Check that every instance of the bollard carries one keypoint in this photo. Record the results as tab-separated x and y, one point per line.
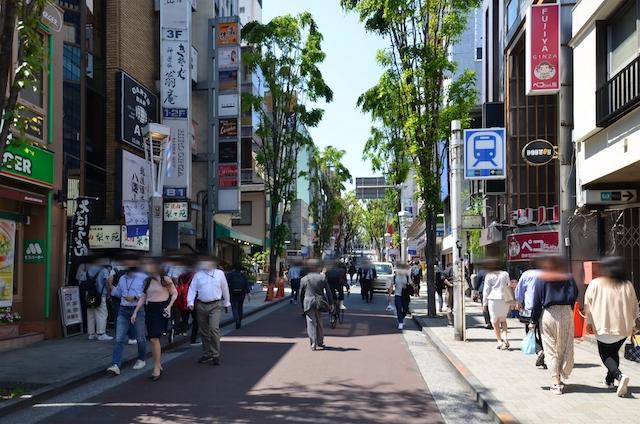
578	322
269	296
280	285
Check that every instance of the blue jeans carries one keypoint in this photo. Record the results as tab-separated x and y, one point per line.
123	325
402	308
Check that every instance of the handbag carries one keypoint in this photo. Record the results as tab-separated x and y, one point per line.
529	343
507	294
322	304
632	350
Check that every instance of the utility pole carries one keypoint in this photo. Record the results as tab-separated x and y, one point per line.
566	154
456	168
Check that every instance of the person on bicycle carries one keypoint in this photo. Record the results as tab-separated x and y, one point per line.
337	278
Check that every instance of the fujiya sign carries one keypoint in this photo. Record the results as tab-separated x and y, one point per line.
543	49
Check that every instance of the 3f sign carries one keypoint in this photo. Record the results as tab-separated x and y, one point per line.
175	34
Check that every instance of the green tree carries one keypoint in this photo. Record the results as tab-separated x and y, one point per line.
21	19
328	179
375	222
287	51
349	221
420	33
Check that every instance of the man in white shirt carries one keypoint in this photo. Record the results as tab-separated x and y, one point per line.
210	286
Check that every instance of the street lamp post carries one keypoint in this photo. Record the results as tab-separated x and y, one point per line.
156	150
456	169
402	215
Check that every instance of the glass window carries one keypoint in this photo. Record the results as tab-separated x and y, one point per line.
512	13
384	269
623	38
71	66
33	93
478	53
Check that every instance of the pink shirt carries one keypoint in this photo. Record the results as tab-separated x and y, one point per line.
156	292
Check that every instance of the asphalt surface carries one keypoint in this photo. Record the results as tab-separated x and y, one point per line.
269	375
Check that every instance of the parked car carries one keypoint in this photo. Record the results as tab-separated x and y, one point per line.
385	276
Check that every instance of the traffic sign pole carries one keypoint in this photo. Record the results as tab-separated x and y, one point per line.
456	168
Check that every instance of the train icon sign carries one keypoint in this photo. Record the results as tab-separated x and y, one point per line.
484	154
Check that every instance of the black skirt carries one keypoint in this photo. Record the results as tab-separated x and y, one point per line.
156	322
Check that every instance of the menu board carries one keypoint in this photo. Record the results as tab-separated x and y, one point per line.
70	308
7	255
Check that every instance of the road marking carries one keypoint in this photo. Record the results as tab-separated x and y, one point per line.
114	404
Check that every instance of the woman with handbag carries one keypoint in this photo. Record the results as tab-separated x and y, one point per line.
158	296
555	292
497	297
612	308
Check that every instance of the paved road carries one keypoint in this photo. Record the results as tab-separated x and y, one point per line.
269	374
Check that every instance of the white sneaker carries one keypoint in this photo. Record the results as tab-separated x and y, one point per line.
400	326
556	389
132	341
139	365
623	383
344	308
104	337
113	370
92	337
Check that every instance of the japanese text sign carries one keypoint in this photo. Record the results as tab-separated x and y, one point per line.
543	49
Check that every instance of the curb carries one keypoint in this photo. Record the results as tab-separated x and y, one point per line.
46	392
482	395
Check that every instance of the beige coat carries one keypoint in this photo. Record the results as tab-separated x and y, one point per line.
612	307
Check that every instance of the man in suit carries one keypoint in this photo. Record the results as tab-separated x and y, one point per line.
314	293
366	275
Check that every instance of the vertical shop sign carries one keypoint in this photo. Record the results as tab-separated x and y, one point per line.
543	49
134	177
175	99
80	229
225	60
7	254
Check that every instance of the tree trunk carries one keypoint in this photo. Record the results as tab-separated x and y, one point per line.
273	248
430	259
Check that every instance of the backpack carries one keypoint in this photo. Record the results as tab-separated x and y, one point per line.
415	271
237	283
184	281
92	296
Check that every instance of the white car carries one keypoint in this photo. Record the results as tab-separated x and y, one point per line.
384	279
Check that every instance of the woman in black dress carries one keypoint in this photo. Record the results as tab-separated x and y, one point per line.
158	297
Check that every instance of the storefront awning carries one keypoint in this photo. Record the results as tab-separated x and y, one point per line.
224	232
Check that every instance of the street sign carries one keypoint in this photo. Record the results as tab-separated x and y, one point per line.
485	154
610	197
471	222
538	152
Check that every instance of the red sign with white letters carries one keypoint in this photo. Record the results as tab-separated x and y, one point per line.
525	246
543	49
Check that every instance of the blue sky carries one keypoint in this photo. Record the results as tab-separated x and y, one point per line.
349	69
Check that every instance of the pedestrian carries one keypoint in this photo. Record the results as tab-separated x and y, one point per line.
210	286
187	316
555	293
416	277
118	269
366	274
612	309
239	288
294	281
337	279
401	290
129	289
440	286
524	298
94	281
352	272
448	284
158	295
316	298
496	298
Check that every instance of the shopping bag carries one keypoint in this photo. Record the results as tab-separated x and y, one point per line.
391	307
632	350
529	344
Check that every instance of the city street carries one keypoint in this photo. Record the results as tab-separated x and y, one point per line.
366	374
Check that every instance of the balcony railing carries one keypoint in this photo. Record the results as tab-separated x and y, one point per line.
618	95
250	176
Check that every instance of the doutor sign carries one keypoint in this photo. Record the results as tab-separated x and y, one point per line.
538	152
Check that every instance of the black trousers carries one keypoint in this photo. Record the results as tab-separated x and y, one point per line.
237	300
611	359
295	288
184	315
366	287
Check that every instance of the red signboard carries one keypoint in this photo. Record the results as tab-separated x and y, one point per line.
525	246
227	176
543	49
